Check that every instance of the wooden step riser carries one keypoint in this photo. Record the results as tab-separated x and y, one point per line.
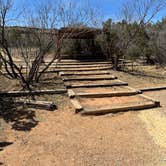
78	66
81	69
100	95
80	63
96	85
120	109
88	79
84	74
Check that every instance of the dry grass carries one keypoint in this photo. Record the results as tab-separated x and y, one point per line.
143	76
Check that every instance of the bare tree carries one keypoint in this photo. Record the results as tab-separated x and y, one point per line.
141	12
42	34
12	69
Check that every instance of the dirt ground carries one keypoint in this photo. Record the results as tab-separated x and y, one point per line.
143	76
62	138
48	81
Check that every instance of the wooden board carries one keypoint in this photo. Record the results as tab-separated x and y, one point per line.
80	66
115	109
97	106
98	83
28	93
83	73
103	91
90	77
80	69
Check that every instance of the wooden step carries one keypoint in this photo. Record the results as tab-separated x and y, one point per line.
80	69
83	63
99	83
116	109
104	105
83	73
90	77
80	66
103	92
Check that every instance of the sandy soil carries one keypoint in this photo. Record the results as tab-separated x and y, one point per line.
110	101
101	89
64	138
155	119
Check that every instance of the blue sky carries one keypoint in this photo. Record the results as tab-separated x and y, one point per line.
112	8
109	8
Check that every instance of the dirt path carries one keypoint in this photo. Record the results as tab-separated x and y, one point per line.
64	138
155	119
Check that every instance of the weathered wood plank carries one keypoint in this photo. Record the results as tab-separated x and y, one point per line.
106	110
91	77
119	83
153	88
28	93
80	69
82	73
108	94
71	93
76	105
37	104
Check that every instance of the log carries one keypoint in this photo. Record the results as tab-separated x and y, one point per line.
29	93
107	94
37	104
153	89
107	109
82	73
79	85
88	78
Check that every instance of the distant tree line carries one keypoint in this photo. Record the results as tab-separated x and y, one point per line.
149	43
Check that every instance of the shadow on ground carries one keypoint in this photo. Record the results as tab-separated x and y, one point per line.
20	118
4	144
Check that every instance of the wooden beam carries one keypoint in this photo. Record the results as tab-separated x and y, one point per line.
37	104
108	94
29	93
153	88
120	83
109	109
77	105
89	78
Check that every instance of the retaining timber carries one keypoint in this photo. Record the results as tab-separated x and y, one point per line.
51	106
29	93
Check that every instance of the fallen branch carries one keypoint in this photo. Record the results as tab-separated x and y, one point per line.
37	104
